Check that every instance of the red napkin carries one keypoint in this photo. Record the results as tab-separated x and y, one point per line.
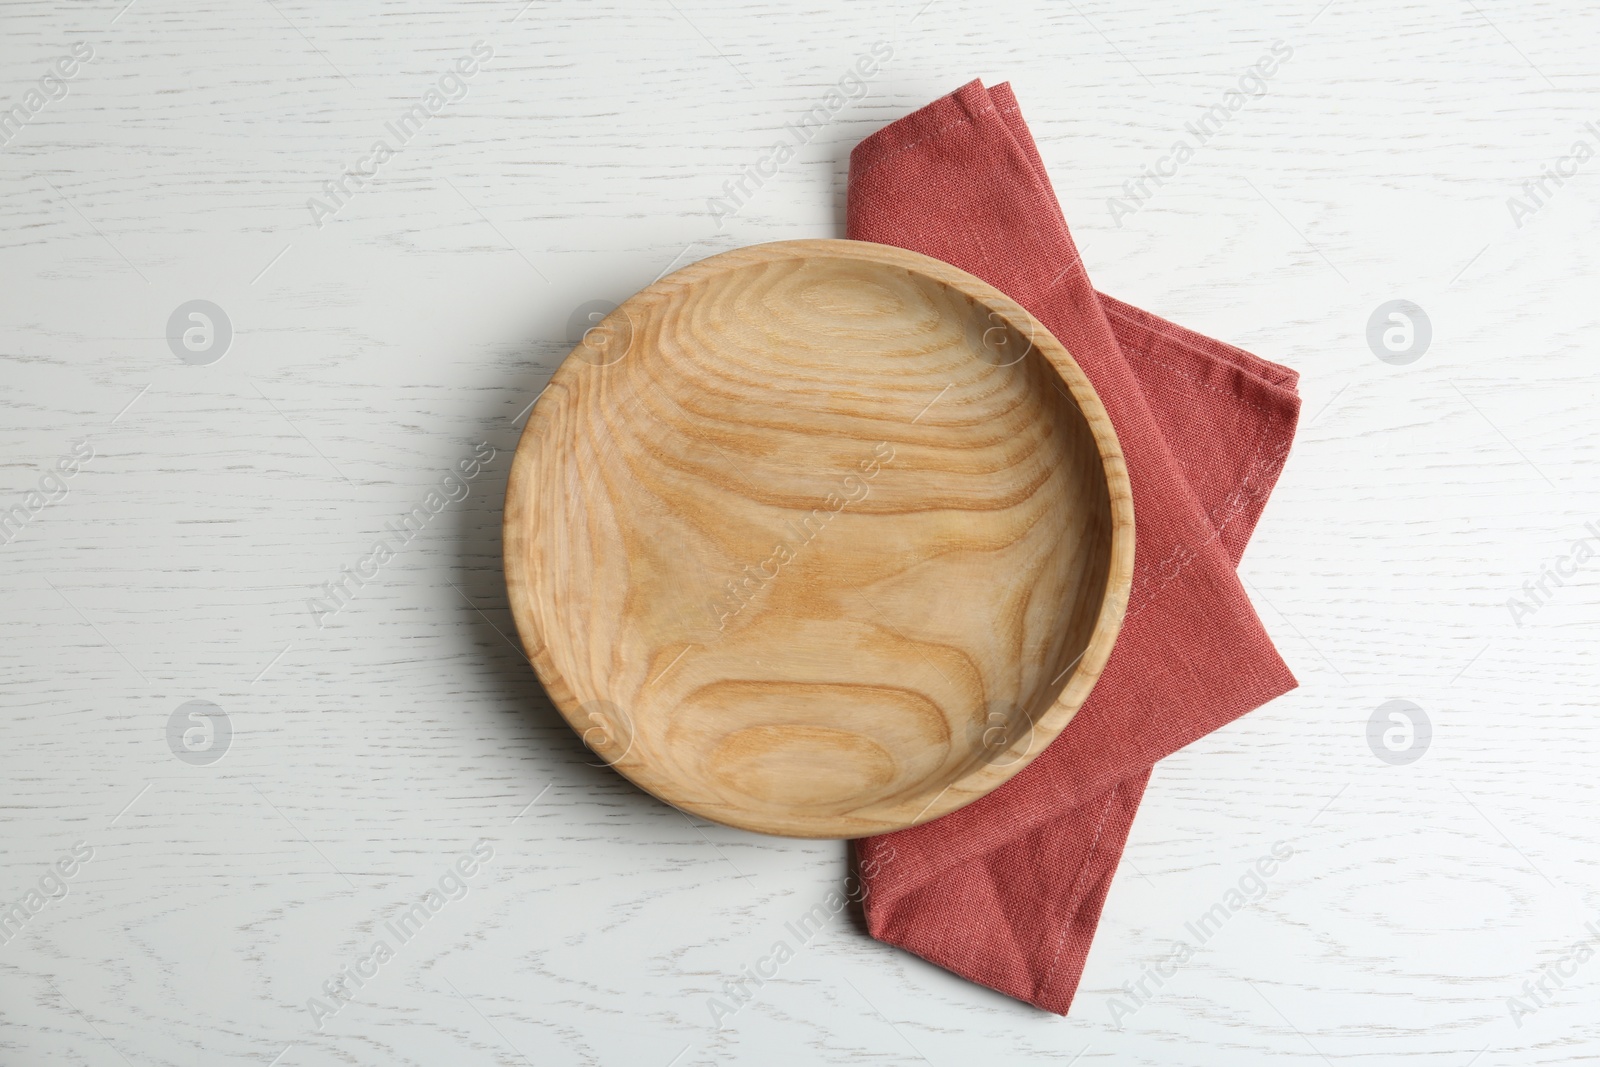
1008	890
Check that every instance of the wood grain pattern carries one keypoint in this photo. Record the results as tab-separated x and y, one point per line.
412	327
819	538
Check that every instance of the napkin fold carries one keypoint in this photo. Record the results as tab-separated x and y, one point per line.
1008	890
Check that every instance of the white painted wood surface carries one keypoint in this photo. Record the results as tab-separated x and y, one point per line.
374	353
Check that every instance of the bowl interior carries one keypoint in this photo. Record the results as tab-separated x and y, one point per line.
808	542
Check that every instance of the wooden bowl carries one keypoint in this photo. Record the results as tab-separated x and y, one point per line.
818	538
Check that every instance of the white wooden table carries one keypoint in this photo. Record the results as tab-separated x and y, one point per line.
405	324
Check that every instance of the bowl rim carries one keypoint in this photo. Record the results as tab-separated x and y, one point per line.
517	531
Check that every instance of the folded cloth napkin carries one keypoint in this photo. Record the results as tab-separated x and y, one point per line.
1008	890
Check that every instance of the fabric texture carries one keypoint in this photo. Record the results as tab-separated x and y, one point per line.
1008	891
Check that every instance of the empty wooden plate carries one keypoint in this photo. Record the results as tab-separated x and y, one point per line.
818	538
